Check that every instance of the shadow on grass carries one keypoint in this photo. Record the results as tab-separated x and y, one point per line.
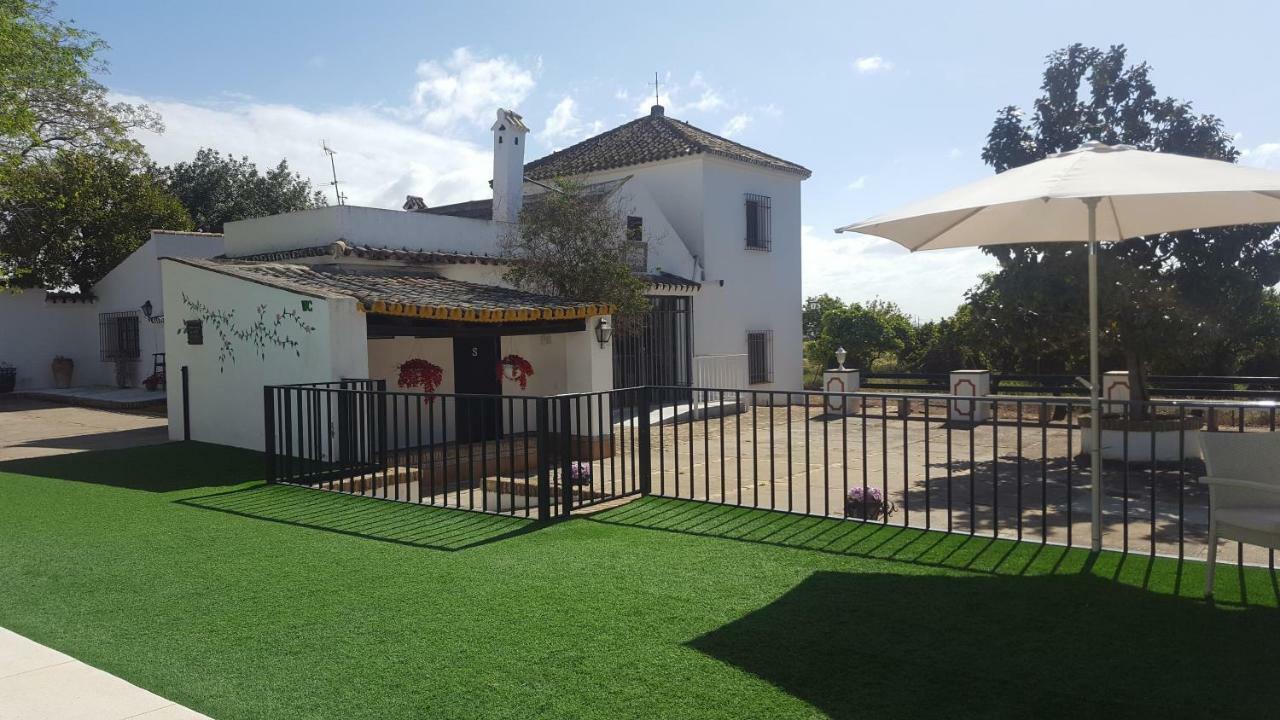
899	645
153	468
421	526
1234	584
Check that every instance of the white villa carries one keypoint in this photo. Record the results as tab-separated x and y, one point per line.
355	292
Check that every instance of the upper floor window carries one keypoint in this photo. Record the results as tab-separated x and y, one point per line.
635	228
759	225
637	251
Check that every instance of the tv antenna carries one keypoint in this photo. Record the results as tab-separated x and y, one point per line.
656	99
342	199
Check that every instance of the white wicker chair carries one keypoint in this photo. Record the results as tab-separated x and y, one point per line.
1244	491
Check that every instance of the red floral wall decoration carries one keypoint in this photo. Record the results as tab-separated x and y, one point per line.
419	373
520	370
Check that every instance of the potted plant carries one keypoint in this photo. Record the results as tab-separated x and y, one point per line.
154	381
62	368
867	503
579	473
8	377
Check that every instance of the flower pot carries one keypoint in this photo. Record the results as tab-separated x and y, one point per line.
62	367
8	377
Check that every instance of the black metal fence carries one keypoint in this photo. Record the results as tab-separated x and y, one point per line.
535	456
1011	467
1244	387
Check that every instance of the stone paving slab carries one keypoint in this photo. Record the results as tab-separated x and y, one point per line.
36	428
37	682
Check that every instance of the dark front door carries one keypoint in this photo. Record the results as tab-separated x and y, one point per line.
475	363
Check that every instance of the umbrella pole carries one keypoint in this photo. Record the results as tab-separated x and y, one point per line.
1095	383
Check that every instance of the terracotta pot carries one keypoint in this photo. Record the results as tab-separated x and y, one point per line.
62	369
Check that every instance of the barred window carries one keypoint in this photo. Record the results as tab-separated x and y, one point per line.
118	334
760	357
759	225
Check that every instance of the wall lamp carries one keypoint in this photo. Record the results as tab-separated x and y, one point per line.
604	331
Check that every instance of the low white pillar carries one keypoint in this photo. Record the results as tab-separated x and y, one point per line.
1115	390
973	383
840	380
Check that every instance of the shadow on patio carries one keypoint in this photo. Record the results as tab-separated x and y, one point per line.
895	645
422	526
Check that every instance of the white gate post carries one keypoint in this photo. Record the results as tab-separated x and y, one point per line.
974	383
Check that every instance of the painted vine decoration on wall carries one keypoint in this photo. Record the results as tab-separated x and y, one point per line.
519	370
261	334
419	373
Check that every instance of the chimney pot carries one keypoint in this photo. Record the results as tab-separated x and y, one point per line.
656	111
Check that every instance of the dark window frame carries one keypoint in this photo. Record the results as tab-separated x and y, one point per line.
759	222
119	336
759	357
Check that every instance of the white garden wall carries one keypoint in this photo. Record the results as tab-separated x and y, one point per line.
227	372
33	332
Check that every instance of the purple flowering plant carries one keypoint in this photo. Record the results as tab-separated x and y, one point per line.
579	473
867	502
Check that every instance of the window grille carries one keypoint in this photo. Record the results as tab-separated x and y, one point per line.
118	334
760	357
759	223
637	250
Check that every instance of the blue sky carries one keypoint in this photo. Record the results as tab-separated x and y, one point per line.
885	102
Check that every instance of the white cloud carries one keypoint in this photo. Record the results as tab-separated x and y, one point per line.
872	64
736	125
468	88
954	153
564	127
1266	155
928	285
381	157
859	184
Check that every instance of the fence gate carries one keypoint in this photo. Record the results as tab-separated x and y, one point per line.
660	352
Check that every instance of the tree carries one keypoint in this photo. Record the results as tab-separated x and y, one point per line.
217	189
49	100
866	332
815	308
572	244
1163	297
69	218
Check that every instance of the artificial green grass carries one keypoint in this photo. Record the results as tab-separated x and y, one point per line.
173	568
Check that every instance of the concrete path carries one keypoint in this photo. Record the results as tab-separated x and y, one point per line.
39	683
36	428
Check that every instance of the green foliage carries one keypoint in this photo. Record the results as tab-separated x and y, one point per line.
866	332
572	244
1166	299
70	217
945	345
814	309
217	189
49	100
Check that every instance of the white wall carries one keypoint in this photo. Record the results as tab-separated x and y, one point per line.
761	290
32	331
360	226
226	395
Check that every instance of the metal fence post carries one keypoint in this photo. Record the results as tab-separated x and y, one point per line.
381	405
646	466
186	404
565	435
269	430
544	458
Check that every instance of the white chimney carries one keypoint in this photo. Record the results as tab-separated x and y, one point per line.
509	133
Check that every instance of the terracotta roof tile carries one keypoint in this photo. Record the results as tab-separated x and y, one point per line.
414	293
648	139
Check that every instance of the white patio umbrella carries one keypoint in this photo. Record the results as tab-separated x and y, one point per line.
1095	193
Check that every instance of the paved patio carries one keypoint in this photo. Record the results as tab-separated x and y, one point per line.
36	428
37	682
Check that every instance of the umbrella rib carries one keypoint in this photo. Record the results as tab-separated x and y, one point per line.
948	228
1115	216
